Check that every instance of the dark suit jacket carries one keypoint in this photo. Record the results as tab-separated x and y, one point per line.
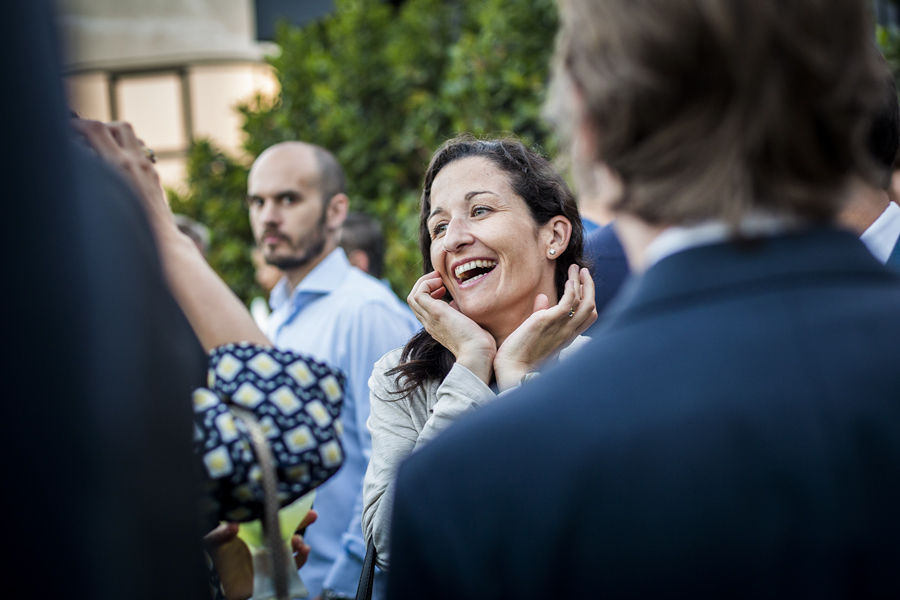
732	431
893	260
100	488
607	263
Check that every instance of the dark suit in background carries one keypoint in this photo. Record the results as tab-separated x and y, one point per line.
100	487
741	441
608	264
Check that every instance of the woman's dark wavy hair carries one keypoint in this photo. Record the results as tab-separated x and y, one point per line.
545	193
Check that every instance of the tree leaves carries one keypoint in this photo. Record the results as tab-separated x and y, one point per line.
382	87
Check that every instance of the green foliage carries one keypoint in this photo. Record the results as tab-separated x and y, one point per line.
888	39
215	197
382	87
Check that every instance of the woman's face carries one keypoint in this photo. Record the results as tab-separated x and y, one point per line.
493	258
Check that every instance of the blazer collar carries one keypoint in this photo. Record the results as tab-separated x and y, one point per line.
737	268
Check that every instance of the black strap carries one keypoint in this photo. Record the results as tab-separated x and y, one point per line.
367	577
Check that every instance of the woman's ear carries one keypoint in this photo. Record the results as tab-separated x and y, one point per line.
556	234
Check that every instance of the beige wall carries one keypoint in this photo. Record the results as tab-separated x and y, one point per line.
175	69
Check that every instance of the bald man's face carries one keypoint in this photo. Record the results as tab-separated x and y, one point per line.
286	207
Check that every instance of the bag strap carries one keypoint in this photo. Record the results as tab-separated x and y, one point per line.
367	577
270	525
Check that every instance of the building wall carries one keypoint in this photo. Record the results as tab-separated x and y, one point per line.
175	69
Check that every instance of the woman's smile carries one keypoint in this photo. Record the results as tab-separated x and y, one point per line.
470	271
486	246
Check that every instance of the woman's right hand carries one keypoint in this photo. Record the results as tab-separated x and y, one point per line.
473	347
118	145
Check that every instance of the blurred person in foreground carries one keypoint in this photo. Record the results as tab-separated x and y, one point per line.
733	430
97	434
503	297
324	307
295	399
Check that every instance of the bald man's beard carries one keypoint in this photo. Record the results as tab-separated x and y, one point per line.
311	250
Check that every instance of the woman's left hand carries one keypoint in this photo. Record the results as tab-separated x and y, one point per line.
547	330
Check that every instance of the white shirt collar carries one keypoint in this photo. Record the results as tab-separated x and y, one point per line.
324	278
881	236
677	238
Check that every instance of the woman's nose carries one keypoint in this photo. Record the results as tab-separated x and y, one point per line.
457	236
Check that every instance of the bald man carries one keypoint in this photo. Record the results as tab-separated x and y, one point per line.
326	308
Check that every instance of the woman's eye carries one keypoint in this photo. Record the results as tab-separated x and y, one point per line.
480	210
438	229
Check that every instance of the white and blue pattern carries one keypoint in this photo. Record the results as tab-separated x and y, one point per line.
297	401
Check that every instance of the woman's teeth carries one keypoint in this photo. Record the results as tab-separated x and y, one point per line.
473	268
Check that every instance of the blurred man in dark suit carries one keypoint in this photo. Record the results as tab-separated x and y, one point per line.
101	495
734	429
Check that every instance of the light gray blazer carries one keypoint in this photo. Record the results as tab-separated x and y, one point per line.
402	424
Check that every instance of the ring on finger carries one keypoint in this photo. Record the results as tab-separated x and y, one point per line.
571	312
150	154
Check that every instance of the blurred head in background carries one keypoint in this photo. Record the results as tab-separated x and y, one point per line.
363	241
714	110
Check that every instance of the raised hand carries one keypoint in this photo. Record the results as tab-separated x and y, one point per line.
216	314
472	346
118	145
548	329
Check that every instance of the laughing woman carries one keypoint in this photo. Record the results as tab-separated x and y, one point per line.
504	293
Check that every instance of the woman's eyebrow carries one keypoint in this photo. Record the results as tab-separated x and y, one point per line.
471	195
468	198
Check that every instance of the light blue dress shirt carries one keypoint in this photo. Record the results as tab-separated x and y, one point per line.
343	317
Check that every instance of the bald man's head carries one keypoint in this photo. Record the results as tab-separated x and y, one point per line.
297	204
331	179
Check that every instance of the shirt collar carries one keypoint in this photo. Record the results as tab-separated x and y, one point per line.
677	238
323	279
881	236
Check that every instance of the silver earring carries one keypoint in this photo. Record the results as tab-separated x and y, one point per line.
552	251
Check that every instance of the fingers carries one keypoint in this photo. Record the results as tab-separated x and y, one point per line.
586	313
308	520
301	550
575	310
576	282
125	136
225	532
428	287
118	145
578	295
568	302
99	137
427	283
541	302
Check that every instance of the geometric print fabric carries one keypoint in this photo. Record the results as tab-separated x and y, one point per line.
295	399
